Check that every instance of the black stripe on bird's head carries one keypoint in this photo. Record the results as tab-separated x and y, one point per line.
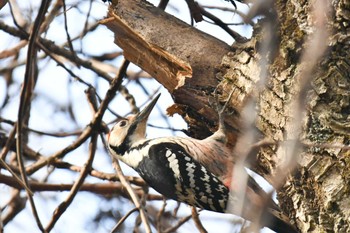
129	130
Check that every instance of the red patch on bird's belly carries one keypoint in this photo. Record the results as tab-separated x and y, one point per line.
227	182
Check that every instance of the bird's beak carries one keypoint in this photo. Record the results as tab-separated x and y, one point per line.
143	115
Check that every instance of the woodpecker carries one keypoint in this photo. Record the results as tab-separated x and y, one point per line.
196	172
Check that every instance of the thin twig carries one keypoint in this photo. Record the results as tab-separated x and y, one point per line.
77	185
60	154
238	38
94	124
111	188
18	179
163	4
197	221
58	50
101	175
178	225
84	172
25	98
133	196
159	216
115	229
58	134
69	40
109	96
14	206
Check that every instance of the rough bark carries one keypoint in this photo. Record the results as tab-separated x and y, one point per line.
316	196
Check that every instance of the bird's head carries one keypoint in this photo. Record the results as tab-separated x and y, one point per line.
129	130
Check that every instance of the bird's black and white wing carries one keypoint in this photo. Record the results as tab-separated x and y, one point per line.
171	171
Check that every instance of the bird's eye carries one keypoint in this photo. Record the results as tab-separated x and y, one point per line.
122	123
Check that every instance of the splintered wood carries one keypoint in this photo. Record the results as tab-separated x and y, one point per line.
152	58
170	50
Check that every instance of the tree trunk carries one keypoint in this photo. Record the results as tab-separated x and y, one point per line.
317	195
192	64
